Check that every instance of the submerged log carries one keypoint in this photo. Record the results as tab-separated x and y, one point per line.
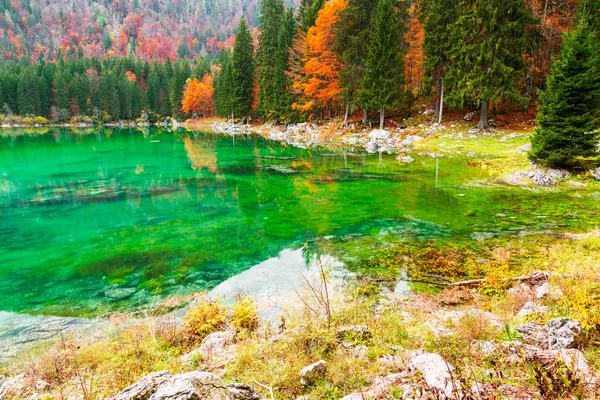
536	277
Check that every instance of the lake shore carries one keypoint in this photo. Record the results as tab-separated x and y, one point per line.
523	304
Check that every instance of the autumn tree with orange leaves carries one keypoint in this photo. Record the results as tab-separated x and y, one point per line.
198	96
322	64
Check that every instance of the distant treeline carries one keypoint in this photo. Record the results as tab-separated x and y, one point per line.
90	89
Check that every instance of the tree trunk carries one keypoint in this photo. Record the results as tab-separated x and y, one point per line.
441	114
381	118
484	115
438	97
346	115
365	117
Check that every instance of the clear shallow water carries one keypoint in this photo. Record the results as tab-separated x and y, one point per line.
105	219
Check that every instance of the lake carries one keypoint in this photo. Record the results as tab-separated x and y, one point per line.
99	220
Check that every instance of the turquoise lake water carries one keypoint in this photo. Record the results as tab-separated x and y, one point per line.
99	220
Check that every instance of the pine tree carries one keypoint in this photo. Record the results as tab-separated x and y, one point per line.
243	71
569	116
381	88
352	33
439	15
485	53
224	87
28	92
181	74
271	81
308	13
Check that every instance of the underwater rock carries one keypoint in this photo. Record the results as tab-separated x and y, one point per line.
118	293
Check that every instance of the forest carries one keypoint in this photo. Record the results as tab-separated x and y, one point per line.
312	62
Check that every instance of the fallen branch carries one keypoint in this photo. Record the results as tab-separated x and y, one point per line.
269	388
536	276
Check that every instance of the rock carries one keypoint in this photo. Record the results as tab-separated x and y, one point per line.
194	385
487	391
313	372
521	291
241	391
558	173
379	134
405	159
14	387
540	178
360	352
390	361
381	390
117	293
547	290
411	140
215	343
596	173
469	116
436	371
506	138
145	387
356	333
2	380
575	360
526	148
534	333
563	333
531	307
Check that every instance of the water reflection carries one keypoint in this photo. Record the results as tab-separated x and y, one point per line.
104	219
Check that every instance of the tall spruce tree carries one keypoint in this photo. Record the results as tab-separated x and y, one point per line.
224	88
438	16
352	44
243	71
270	79
381	87
308	13
569	116
485	53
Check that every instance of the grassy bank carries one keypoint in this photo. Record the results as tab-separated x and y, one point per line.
433	318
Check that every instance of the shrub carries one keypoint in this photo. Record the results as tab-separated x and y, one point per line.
27	121
40	121
245	317
207	317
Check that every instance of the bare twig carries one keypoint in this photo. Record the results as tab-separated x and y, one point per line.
269	388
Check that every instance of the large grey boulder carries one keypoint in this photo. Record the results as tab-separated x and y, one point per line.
534	333
145	387
559	333
194	385
563	333
436	371
313	372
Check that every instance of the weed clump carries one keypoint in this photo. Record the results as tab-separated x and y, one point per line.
205	318
244	317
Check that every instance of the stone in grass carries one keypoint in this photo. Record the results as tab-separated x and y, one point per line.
312	373
353	333
531	307
534	333
436	371
191	386
596	173
145	387
563	333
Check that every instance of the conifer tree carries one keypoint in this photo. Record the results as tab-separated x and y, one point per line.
439	15
381	88
352	41
224	88
271	81
485	53
308	13
243	71
569	116
181	74
28	93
